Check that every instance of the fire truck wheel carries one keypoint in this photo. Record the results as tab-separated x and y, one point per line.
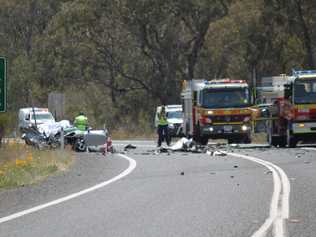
247	139
282	141
290	139
276	141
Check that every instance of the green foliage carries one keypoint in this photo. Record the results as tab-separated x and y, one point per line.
7	122
118	60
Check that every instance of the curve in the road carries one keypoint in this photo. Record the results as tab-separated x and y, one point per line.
280	206
131	167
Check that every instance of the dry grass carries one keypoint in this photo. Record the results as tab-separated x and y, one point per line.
21	165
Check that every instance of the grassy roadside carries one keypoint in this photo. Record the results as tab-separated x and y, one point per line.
21	165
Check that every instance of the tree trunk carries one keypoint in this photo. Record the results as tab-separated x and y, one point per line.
307	37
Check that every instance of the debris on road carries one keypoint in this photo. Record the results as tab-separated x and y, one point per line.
299	155
182	173
294	221
184	144
163	150
268	172
129	146
235	166
216	153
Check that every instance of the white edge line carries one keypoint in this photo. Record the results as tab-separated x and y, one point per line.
132	166
309	148
274	217
275	196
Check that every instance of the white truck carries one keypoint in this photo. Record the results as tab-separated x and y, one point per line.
175	119
29	117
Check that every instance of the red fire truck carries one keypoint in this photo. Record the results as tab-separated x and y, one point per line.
217	109
293	113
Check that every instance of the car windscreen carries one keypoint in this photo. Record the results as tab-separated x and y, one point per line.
305	91
225	97
174	115
44	116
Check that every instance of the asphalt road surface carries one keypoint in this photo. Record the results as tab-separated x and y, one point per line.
249	191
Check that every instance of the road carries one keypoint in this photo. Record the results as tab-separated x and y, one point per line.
252	191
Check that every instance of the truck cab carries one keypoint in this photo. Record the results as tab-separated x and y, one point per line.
221	109
29	117
294	113
301	118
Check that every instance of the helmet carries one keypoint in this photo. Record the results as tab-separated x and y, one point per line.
81	113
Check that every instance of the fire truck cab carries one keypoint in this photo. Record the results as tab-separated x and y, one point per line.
293	116
217	109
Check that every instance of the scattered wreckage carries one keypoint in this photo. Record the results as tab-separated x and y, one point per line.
60	134
188	145
184	145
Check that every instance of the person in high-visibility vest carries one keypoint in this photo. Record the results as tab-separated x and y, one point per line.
162	130
81	122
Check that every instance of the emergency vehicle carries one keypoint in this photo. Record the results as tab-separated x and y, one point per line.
217	109
29	117
293	113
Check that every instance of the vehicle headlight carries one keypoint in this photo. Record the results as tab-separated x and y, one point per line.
244	128
210	112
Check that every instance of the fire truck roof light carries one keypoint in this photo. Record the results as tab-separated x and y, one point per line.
223	81
305	72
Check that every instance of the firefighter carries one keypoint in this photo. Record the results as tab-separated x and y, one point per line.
162	130
81	122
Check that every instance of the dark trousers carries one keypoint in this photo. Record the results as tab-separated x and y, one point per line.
163	134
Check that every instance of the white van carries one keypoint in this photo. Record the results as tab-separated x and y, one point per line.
175	119
27	117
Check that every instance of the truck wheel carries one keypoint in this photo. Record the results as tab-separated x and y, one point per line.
290	139
273	141
282	141
247	139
